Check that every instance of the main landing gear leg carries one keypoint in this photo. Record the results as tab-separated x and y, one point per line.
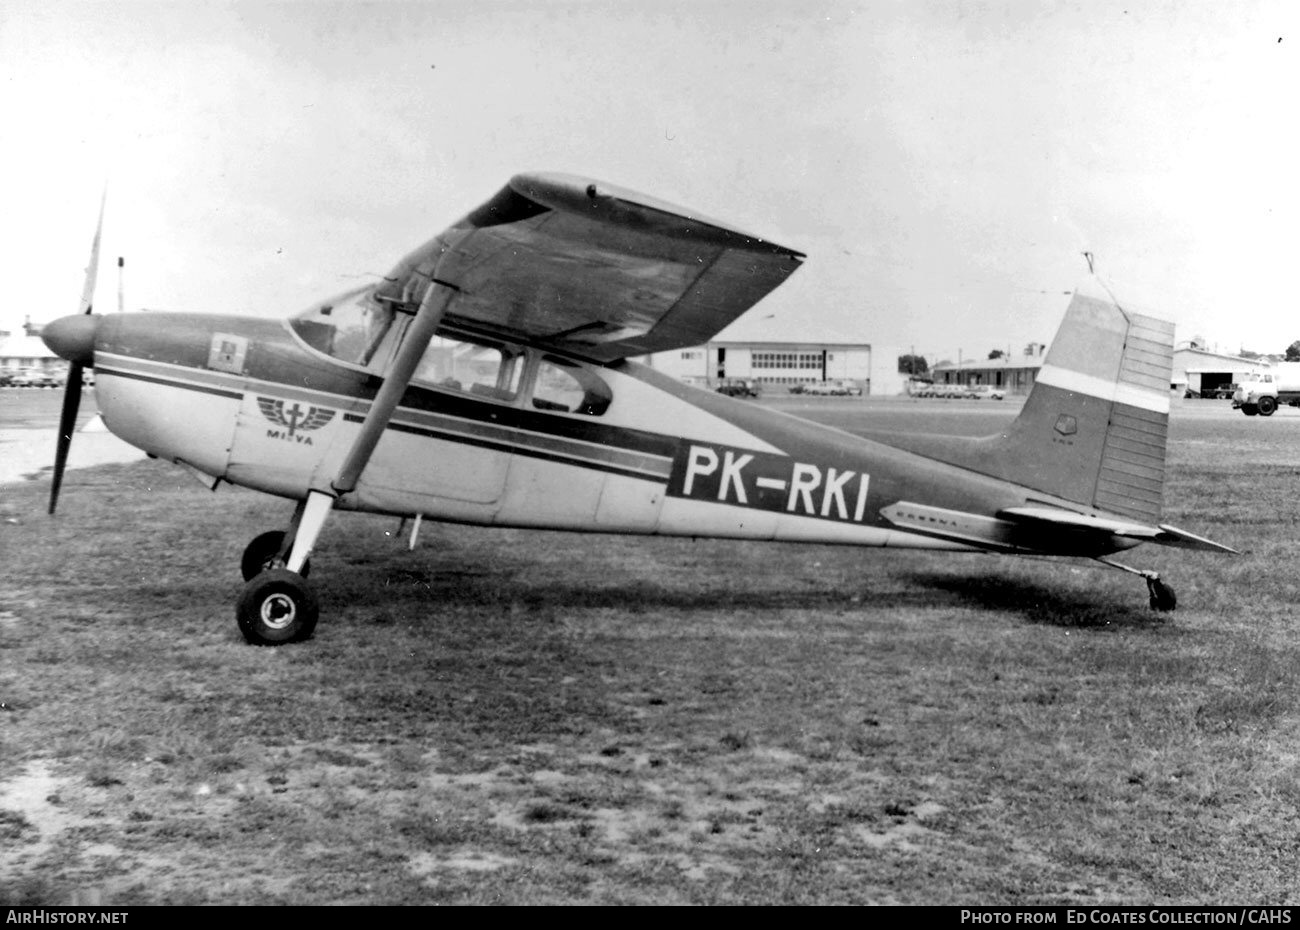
276	605
316	509
1163	598
271	549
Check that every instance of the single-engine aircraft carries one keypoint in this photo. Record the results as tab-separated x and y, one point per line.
487	379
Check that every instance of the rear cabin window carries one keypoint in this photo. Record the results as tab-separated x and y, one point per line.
567	388
482	369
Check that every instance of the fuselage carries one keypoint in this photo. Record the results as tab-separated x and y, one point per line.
539	440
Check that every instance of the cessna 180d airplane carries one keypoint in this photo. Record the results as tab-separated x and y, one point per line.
487	380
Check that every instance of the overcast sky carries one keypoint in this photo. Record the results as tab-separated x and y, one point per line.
943	165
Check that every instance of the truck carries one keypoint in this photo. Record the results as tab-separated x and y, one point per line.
1262	392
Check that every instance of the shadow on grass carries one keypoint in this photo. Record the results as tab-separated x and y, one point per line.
488	589
1065	605
1059	606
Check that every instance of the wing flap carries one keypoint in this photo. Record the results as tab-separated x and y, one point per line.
593	269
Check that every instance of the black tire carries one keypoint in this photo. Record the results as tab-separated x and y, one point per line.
1163	598
1267	405
260	555
277	607
1250	410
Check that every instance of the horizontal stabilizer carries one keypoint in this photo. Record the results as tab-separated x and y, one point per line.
1069	520
1172	536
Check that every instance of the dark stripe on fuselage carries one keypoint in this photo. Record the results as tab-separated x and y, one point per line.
519	449
584	429
102	371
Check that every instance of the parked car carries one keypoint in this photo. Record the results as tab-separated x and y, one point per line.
35	377
986	391
840	388
967	391
737	387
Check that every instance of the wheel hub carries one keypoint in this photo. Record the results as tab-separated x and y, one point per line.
278	611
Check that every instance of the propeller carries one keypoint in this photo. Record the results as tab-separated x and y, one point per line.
74	339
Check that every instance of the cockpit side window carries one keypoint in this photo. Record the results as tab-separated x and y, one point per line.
350	327
460	364
568	388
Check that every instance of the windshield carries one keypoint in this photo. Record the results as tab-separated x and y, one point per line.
349	327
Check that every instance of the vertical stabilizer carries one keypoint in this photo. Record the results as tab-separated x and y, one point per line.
1094	426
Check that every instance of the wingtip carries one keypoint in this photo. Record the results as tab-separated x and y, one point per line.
602	201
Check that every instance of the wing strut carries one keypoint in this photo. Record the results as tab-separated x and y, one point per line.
320	501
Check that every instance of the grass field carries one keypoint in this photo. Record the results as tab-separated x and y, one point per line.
534	718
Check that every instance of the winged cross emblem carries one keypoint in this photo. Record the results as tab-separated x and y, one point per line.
295	418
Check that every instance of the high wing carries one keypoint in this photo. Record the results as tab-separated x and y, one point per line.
591	269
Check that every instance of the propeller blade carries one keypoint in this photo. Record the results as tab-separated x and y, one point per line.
67	423
72	390
92	270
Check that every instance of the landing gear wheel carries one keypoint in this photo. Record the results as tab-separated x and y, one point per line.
1163	598
276	607
1267	405
261	554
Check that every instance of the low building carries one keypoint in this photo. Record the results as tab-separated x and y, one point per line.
22	350
1196	372
1015	374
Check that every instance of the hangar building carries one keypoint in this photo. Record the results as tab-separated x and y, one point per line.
778	352
780	365
1199	373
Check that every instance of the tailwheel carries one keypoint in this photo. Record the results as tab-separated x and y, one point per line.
277	607
1162	597
265	552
